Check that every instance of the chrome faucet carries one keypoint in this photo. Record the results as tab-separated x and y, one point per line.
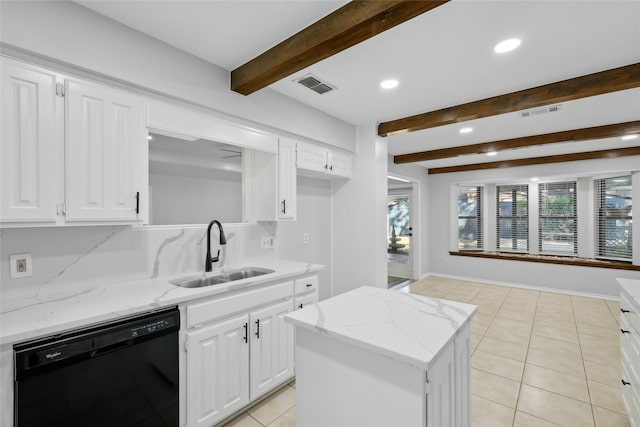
223	241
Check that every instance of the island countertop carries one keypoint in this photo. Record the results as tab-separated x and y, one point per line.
406	327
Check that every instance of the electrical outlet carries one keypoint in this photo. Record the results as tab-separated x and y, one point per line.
20	265
267	242
305	238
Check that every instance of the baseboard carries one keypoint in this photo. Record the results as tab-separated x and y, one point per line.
519	285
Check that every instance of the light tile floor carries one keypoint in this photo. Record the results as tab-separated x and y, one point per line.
538	359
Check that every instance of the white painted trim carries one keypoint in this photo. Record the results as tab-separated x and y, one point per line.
416	247
534	223
518	285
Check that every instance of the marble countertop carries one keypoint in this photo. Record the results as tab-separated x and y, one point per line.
406	327
72	309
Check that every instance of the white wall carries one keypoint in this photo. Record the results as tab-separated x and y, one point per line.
419	177
314	218
69	33
566	278
360	217
177	199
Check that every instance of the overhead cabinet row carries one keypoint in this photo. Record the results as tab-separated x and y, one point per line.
77	152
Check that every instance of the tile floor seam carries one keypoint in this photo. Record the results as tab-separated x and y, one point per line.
255	419
524	368
593	415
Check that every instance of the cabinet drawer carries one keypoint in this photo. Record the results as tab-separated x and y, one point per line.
206	311
304	300
306	284
629	312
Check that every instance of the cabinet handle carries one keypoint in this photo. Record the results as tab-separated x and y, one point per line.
623	331
300	306
625	382
137	202
284	206
258	329
246	332
326	166
309	285
331	167
622	310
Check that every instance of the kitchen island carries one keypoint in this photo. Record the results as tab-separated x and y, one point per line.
376	357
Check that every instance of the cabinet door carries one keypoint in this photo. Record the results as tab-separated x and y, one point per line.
440	398
287	179
30	154
311	157
304	300
105	148
463	377
271	348
340	164
217	371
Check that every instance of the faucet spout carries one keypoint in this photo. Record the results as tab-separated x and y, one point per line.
223	241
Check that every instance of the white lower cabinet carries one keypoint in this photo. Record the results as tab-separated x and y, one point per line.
630	349
238	348
271	348
217	371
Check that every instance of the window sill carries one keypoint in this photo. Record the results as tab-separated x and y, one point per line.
550	259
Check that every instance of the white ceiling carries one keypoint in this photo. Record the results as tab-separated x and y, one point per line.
441	58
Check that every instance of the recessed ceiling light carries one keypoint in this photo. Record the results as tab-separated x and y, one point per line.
149	137
466	130
492	153
506	45
535	178
629	137
388	84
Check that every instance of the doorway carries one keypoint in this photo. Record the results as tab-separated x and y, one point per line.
400	230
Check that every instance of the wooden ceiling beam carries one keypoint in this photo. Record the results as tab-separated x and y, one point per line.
607	131
587	155
613	80
351	24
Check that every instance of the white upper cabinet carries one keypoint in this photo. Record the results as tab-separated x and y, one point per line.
318	161
287	183
71	150
31	152
106	139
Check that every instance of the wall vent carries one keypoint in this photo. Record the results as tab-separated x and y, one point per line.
315	84
543	110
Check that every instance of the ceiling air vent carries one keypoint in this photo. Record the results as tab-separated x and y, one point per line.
315	84
538	111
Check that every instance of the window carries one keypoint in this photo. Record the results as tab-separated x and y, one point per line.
557	218
513	217
613	218
470	218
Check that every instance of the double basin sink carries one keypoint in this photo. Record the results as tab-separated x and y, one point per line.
227	276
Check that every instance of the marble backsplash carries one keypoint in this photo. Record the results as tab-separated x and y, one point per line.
73	259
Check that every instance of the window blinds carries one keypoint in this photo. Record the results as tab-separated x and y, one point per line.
470	218
512	217
613	218
557	218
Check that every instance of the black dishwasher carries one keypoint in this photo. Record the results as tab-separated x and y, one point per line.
118	374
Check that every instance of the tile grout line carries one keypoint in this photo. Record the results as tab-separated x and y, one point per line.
593	415
524	368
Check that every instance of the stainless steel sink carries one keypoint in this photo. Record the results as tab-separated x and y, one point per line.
227	276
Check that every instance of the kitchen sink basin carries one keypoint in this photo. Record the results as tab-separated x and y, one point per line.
227	276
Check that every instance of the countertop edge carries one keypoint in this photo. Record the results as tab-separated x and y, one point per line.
160	299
